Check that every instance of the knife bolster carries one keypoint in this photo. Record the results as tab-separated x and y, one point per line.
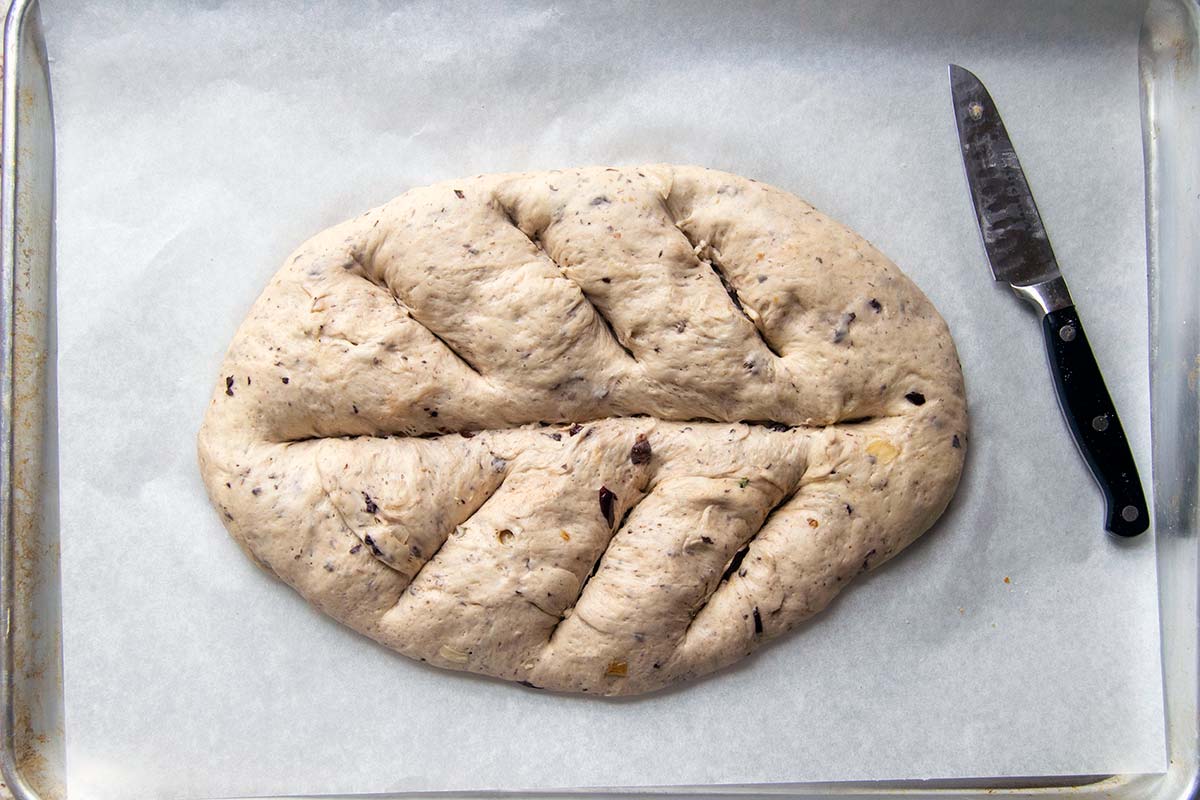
1048	295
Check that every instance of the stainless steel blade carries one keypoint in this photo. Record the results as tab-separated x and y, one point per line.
1012	229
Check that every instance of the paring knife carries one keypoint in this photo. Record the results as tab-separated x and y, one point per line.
1020	255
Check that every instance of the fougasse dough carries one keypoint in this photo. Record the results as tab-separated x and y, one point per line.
594	430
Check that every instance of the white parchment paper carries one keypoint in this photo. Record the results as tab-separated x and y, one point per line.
200	142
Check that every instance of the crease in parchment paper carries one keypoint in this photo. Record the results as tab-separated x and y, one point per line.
198	144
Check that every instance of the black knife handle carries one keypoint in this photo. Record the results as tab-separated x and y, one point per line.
1094	423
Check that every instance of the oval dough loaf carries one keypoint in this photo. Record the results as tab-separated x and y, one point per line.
594	430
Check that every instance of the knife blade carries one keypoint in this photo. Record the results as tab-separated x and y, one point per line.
1019	253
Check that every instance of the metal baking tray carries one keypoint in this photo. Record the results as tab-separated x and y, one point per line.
31	684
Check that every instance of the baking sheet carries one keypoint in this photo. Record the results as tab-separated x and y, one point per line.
199	143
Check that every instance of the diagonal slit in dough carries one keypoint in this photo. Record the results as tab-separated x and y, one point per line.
346	525
536	242
569	611
741	306
736	561
607	324
453	352
705	254
366	273
410	502
449	536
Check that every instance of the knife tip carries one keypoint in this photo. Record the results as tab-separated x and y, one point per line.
961	74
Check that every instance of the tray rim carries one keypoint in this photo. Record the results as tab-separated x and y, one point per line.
9	768
1182	778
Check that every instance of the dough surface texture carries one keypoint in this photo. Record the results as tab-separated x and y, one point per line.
595	430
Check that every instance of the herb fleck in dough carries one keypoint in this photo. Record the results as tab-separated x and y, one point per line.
594	430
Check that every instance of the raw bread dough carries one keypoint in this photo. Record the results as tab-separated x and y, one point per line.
595	430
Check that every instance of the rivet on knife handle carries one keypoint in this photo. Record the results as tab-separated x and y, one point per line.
1019	253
